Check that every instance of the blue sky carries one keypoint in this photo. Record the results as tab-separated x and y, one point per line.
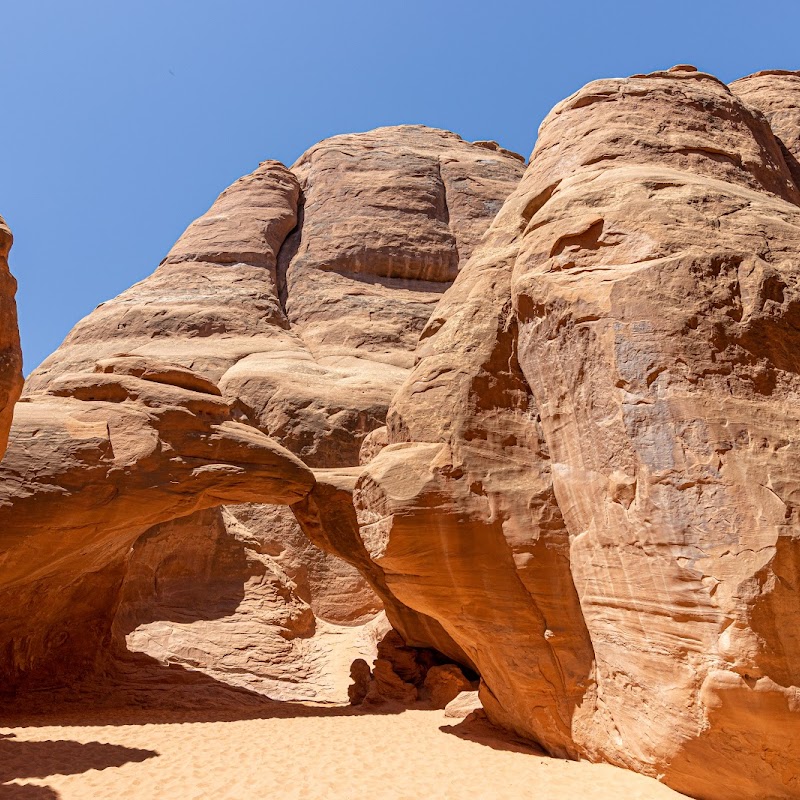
121	122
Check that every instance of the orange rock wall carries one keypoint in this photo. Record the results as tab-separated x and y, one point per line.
591	477
10	354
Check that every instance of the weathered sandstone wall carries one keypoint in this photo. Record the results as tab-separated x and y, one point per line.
292	306
588	481
10	354
592	476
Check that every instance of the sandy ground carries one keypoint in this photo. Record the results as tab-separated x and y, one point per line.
292	751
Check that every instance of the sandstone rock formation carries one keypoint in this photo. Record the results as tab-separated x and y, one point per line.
293	305
463	705
250	602
591	478
92	465
10	355
406	675
360	675
682	328
444	683
587	485
302	292
774	93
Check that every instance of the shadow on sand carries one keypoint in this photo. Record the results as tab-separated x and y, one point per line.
143	691
147	692
16	791
20	760
477	728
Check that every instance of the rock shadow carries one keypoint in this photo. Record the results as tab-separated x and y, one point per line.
140	690
21	760
27	791
185	570
477	728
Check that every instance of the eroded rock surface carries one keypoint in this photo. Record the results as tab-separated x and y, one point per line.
444	683
10	354
94	463
774	93
587	485
386	218
404	675
252	604
666	316
295	304
591	476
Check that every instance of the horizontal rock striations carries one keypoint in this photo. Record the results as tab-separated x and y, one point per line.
386	218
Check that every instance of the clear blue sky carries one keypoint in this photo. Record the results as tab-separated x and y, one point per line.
121	122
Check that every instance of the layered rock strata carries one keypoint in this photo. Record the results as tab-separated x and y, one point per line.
92	465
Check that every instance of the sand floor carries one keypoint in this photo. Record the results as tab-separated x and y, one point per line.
294	752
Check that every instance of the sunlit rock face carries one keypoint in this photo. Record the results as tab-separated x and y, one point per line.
774	94
546	421
591	479
143	501
10	355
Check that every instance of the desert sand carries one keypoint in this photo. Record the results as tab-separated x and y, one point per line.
295	751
